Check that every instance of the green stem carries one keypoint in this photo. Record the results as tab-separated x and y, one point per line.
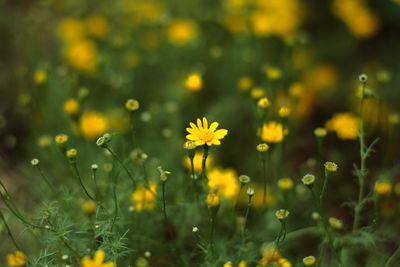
265	183
164	201
392	257
9	231
76	172
238	196
123	165
204	163
362	173
45	178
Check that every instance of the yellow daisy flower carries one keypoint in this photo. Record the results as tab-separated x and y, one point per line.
97	261
201	134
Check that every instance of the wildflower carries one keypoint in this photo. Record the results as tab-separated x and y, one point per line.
71	153
194	82
383	187
281	18
81	54
132	104
285	184
262	148
284	112
103	140
71	107
70	30
282	214
97	26
163	174
181	31
227	264
93	124
225	180
144	198
263	103
272	132
245	83
89	207
35	162
345	125
16	259
363	78
94	167
244	179
212	200
40	77
195	229
61	139
271	256
44	141
360	20
257	92
250	192
202	135
189	145
273	73
309	260
97	261
138	155
330	166
320	132
335	223
308	180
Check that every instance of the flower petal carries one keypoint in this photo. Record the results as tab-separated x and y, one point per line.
192	137
199	125
216	142
205	123
199	142
219	134
99	256
214	126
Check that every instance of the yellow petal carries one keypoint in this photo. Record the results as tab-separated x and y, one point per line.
214	126
216	142
191	137
199	125
199	142
99	256
193	125
219	134
205	123
192	131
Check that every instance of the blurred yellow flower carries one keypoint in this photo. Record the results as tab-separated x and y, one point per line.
335	223
144	198
321	77
40	77
44	141
224	182
97	26
258	198
197	160
345	125
71	107
212	200
182	31
93	124
97	261
383	187
81	54
285	184
257	92
203	135
272	257
89	207
273	73
272	132
276	17
357	16
194	82
245	83
70	30
16	259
